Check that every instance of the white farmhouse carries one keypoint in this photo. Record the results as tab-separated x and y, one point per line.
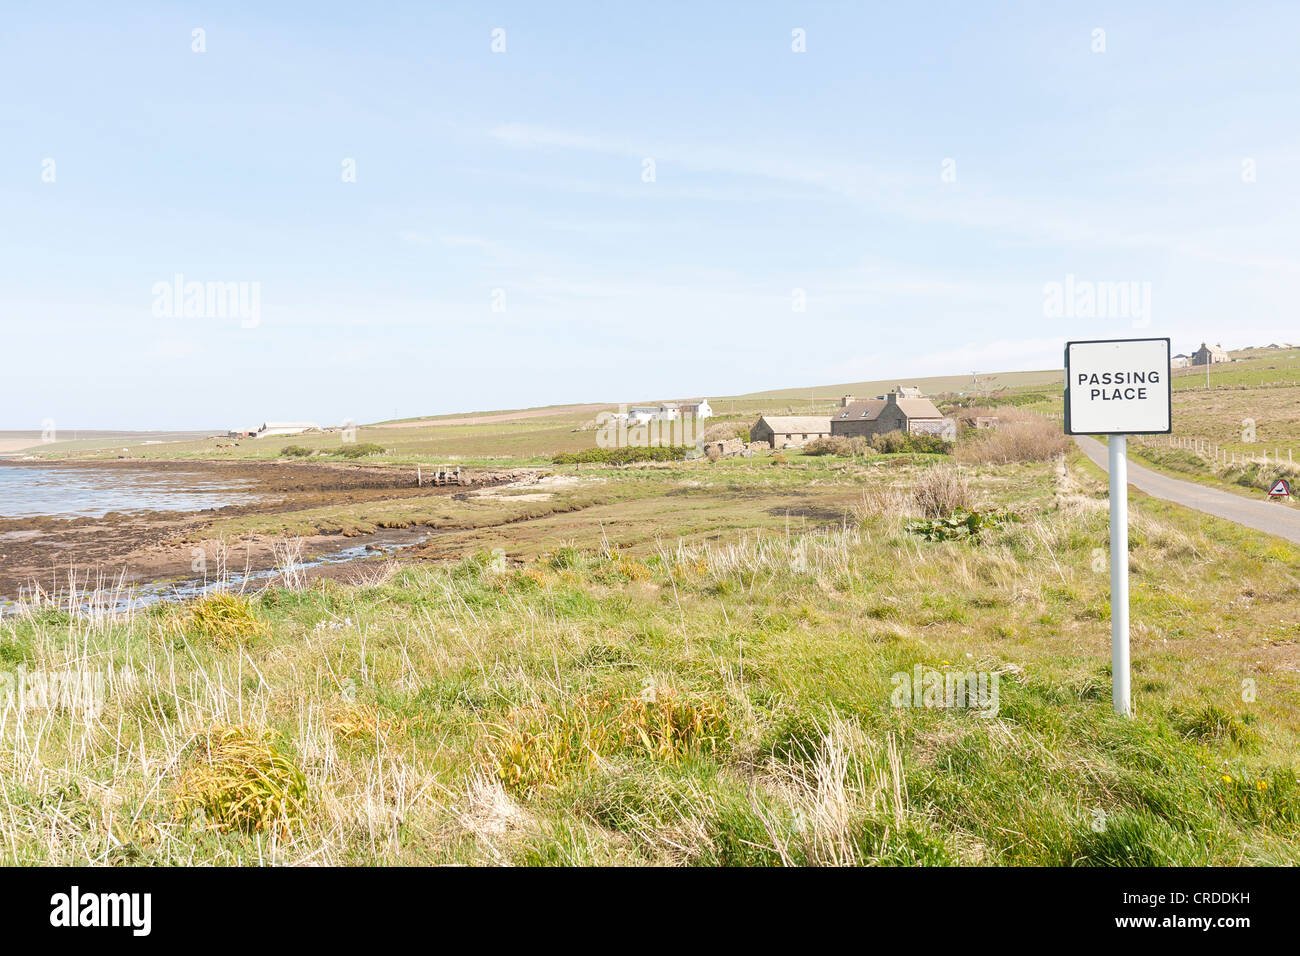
668	411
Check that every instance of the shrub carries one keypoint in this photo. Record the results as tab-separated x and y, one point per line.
896	442
779	459
724	430
1018	437
1025	398
621	456
296	451
361	450
237	780
837	445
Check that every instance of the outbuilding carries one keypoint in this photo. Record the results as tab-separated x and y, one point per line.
790	431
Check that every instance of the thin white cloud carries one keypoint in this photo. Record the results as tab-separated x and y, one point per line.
470	242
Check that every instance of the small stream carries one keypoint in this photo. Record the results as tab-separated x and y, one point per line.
129	597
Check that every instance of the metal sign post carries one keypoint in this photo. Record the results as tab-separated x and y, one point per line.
1119	654
1118	387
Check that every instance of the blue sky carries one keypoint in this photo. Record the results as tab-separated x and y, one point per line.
522	171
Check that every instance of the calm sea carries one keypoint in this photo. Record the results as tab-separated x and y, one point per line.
32	491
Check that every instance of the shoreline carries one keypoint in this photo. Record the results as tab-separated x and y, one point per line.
143	548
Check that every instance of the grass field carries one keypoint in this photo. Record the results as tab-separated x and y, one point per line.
1250	410
524	436
694	663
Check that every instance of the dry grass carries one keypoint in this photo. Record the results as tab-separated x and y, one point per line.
937	492
818	553
848	782
288	554
943	491
1019	436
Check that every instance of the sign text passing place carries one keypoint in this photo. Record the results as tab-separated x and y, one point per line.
1117	387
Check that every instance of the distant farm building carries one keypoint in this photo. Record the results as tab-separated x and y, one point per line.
1180	361
276	429
902	410
668	411
789	431
1210	355
700	409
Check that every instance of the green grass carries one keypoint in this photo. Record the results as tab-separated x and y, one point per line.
694	664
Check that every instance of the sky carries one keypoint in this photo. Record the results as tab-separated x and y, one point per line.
443	207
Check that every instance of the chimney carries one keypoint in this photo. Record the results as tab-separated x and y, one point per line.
846	401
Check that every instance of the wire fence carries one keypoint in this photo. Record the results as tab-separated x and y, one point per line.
1227	457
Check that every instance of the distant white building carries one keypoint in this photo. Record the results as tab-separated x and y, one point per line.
274	429
668	411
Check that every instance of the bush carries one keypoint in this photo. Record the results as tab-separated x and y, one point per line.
621	456
361	450
1018	437
724	430
1026	398
296	451
896	442
837	445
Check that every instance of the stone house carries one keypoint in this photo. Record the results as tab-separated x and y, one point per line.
1210	355
902	410
790	431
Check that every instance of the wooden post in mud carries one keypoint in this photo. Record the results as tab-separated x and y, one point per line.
419	479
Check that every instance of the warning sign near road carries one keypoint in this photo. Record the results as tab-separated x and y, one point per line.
1280	489
1118	387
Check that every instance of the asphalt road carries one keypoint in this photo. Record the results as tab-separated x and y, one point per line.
1261	514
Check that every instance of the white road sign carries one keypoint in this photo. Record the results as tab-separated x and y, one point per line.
1117	387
